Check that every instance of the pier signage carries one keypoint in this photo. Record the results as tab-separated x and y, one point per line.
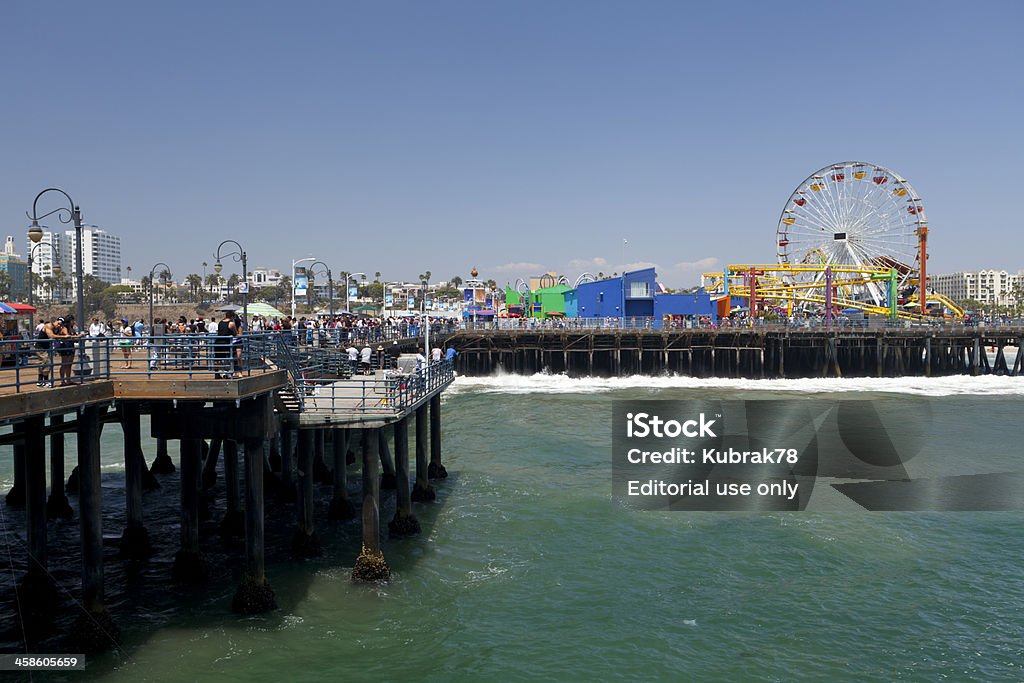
793	455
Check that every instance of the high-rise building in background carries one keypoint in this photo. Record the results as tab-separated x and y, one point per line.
101	256
16	269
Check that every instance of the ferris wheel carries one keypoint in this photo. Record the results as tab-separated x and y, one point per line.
854	214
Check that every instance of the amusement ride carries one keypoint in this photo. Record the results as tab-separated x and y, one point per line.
852	237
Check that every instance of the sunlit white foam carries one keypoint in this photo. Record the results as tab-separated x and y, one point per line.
562	384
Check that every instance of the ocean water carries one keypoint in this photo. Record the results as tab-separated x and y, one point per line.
527	570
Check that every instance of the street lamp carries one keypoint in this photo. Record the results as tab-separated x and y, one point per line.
295	263
330	283
350	276
64	215
238	256
152	272
36	234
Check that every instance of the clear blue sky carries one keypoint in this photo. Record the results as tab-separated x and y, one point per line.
510	136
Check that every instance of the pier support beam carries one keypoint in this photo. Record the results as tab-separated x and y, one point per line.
287	492
387	463
16	496
341	507
305	542
404	522
254	594
210	464
37	593
135	539
94	630
233	524
436	470
189	565
163	463
423	492
321	474
370	565
57	505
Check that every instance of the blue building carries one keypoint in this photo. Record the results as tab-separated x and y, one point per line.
629	296
634	295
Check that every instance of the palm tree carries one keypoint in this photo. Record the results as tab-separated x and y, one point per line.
456	281
195	282
376	276
233	285
213	282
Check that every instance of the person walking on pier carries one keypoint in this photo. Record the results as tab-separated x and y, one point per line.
126	343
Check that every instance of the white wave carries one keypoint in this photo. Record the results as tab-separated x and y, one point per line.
987	385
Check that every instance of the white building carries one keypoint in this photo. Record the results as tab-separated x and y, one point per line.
990	287
101	255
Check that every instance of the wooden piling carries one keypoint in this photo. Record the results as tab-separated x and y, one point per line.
387	463
404	522
162	464
94	630
233	522
435	470
57	505
287	491
135	543
305	542
189	565
370	565
423	491
341	508
35	493
254	594
16	496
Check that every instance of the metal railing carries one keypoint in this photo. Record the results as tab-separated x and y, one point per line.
392	393
67	361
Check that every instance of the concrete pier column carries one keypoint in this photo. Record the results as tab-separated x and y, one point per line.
975	360
189	565
210	463
436	470
321	473
287	491
928	357
134	539
57	505
404	522
370	565
387	463
341	507
163	463
233	524
423	492
94	630
305	543
254	594
16	496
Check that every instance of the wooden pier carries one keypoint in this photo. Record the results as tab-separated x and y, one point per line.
743	353
275	413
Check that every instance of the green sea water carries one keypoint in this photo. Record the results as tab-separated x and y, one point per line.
526	569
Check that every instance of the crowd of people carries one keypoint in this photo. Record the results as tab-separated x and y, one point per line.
55	342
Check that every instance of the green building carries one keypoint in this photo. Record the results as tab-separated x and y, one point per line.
548	302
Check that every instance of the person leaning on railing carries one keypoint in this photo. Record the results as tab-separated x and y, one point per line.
47	337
